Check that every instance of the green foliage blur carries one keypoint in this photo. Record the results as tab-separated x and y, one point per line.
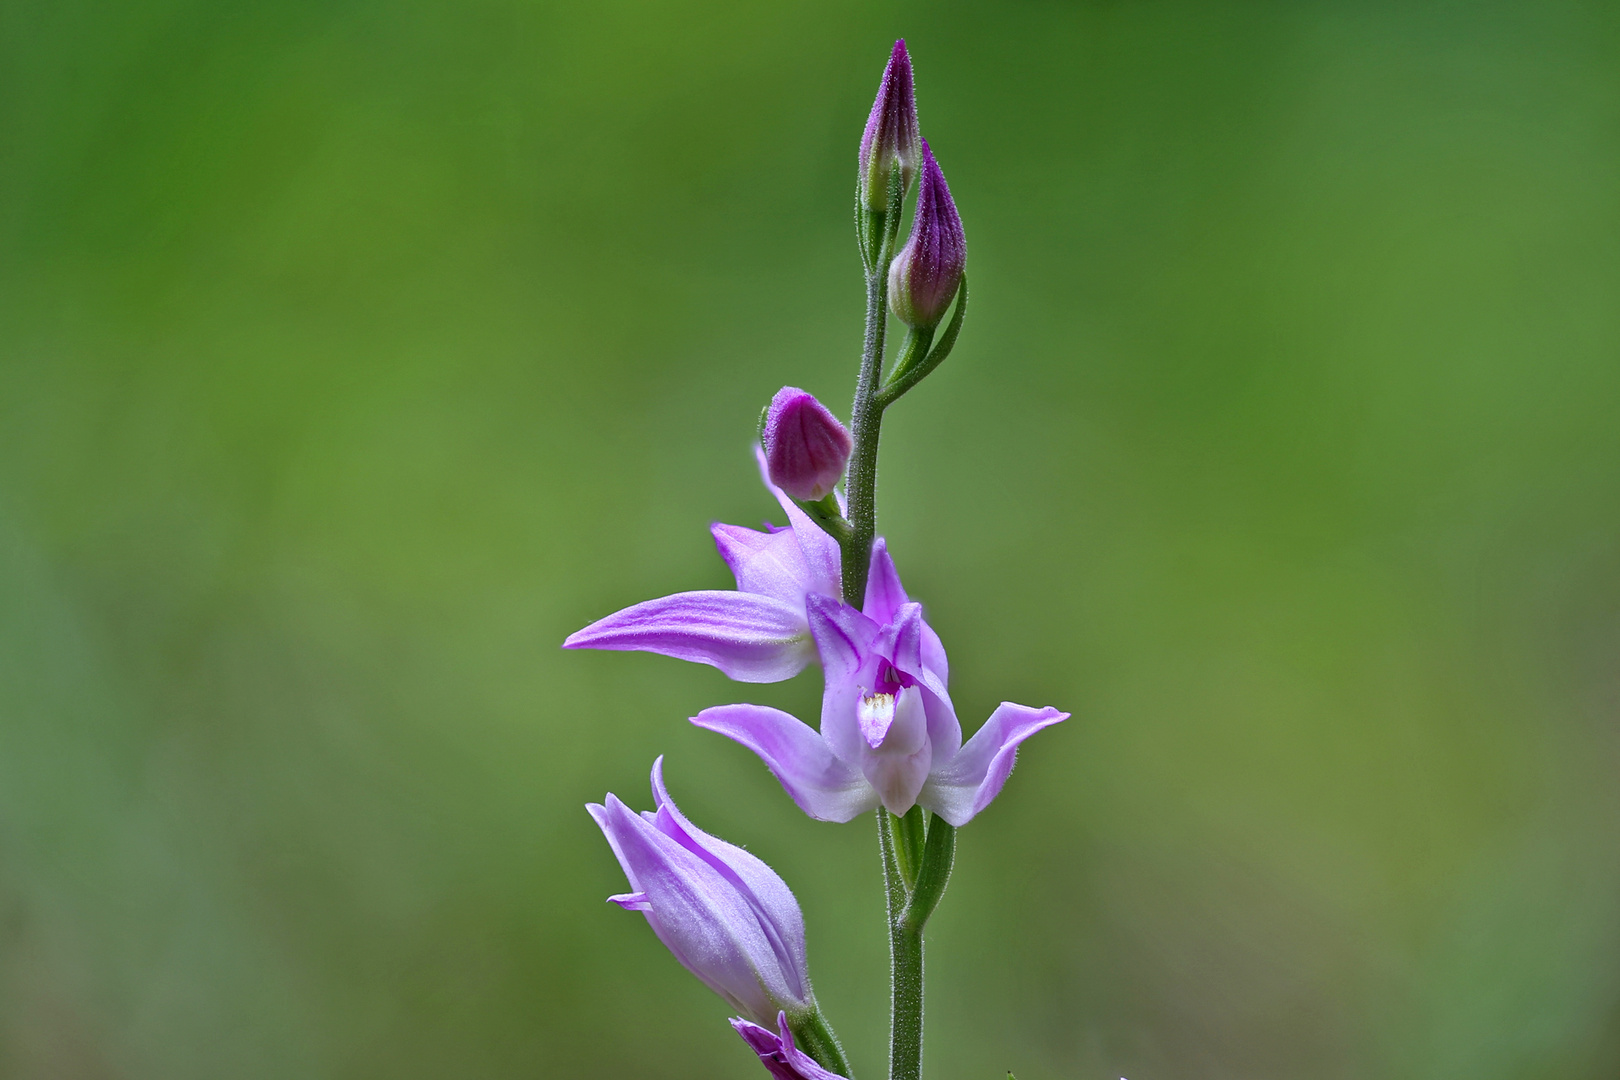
354	353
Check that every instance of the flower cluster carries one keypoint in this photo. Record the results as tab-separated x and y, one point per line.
824	588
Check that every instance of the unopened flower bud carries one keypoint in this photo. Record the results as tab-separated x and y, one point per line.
891	140
924	276
806	448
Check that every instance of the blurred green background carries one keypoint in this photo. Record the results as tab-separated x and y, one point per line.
354	353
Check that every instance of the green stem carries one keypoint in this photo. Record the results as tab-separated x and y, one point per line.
905	965
914	368
908	844
816	1038
825	513
912	352
906	1013
866	417
865	423
938	857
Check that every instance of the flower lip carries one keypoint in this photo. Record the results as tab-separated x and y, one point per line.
877	710
875	716
893	722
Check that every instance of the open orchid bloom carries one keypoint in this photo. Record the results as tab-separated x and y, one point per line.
729	918
889	734
776	1050
760	632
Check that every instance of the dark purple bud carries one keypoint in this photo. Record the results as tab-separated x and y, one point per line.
892	139
926	273
806	448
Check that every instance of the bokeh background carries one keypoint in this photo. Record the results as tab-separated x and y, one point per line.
353	353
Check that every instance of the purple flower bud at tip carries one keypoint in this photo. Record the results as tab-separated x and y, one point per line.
926	273
806	448
892	139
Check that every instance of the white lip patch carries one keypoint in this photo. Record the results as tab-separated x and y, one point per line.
876	715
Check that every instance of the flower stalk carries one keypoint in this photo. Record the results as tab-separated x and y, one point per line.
818	1040
902	840
866	417
909	906
824	589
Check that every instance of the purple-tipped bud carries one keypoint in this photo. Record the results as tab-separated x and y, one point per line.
806	448
892	139
926	273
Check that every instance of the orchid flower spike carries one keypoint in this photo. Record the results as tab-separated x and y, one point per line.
892	138
806	448
925	274
729	918
776	1051
889	734
761	632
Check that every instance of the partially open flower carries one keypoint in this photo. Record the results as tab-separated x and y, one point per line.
924	276
729	918
892	140
780	1056
806	448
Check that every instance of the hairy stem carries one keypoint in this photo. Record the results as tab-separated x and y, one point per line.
816	1038
908	844
905	964
938	857
866	417
865	423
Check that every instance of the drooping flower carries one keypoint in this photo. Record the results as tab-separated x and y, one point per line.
729	918
759	633
892	138
925	274
776	1050
806	448
889	733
